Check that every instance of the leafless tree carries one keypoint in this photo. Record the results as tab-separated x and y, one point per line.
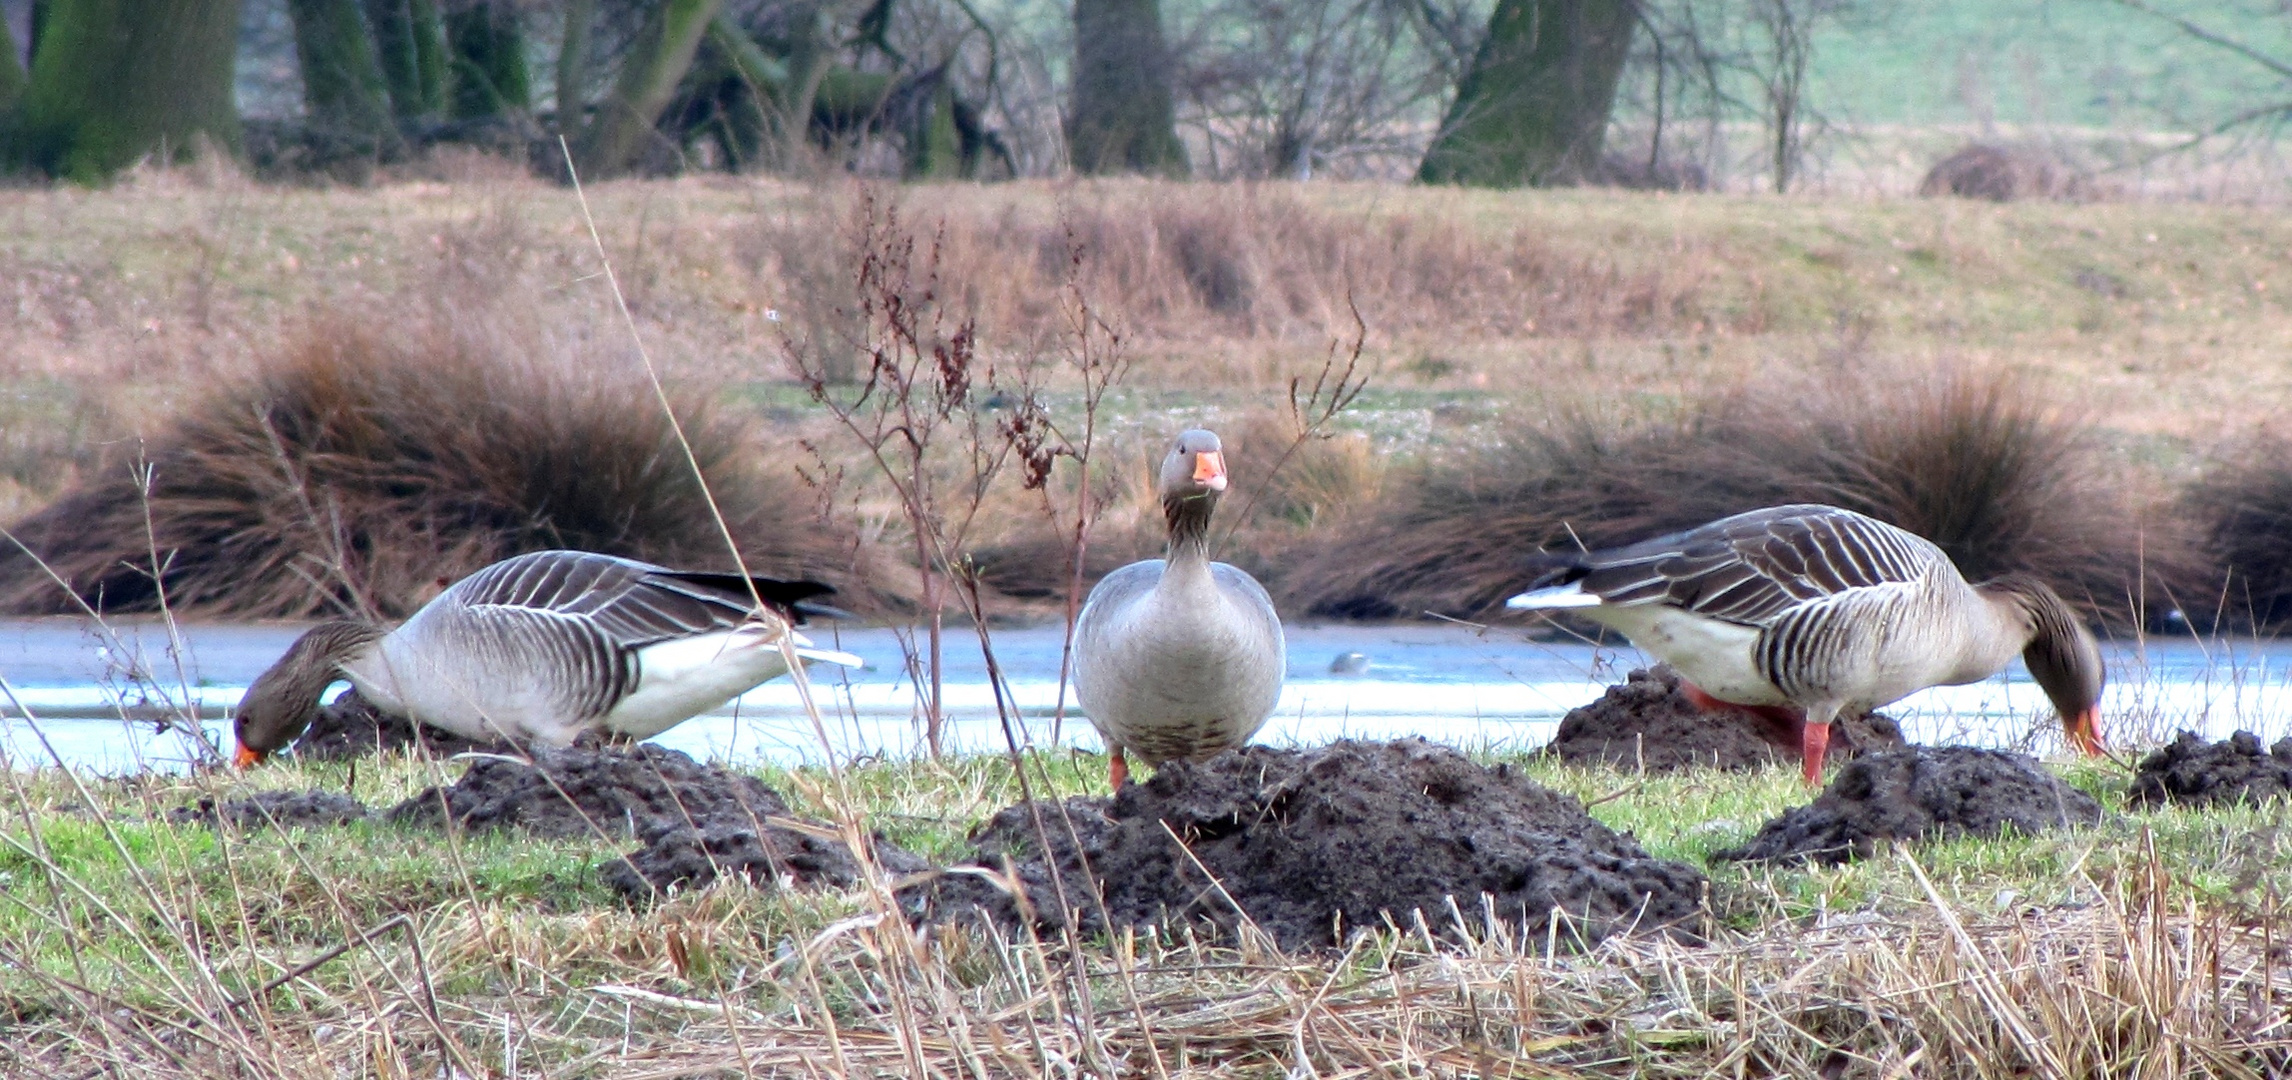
1292	88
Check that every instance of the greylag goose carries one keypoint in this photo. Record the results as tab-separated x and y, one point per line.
1820	611
1179	657
544	647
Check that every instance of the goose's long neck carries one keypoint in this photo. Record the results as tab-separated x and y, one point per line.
1189	518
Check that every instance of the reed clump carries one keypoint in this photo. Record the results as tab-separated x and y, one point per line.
2242	506
1970	461
361	466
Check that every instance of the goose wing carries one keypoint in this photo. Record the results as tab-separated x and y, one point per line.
1753	567
630	603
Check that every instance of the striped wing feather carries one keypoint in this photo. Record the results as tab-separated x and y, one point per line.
1753	567
632	604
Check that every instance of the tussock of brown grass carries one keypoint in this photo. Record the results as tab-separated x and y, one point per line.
2243	508
363	463
1972	462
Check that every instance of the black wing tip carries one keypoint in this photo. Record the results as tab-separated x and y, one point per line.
1545	569
786	597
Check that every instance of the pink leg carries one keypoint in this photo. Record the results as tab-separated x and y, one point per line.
1813	740
1118	769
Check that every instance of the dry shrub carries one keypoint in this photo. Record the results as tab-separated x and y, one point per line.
1190	262
2004	174
360	465
2243	509
1969	461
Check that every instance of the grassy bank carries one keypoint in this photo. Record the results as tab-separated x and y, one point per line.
2140	948
2144	336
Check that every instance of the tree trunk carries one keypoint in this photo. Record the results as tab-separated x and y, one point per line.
573	66
410	48
342	85
118	79
764	85
487	43
1534	108
1123	119
656	62
12	77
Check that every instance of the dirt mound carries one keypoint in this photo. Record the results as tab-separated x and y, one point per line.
1647	720
693	857
1313	844
584	792
285	809
352	727
2192	772
1918	793
698	822
2004	174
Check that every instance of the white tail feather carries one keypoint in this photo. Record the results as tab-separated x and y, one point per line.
1557	596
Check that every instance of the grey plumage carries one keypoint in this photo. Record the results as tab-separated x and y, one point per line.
1179	657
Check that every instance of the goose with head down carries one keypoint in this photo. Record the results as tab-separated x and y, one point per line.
1821	611
545	647
1179	657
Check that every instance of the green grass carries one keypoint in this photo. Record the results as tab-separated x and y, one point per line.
114	902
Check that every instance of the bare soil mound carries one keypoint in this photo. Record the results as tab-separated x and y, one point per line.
1310	845
2192	772
580	791
1919	793
698	822
352	727
284	809
1648	721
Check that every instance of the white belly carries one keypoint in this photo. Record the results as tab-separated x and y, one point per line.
1713	654
678	680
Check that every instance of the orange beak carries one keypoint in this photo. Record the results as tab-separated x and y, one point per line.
1210	469
2084	731
247	757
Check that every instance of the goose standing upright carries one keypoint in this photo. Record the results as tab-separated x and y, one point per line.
1179	657
545	647
1822	611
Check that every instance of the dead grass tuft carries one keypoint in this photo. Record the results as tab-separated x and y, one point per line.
2243	506
1969	461
362	464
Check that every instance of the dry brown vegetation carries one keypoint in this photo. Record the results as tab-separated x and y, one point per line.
1515	332
363	466
1977	463
2244	507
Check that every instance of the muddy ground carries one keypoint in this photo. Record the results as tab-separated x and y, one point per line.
2192	772
1919	793
1308	845
1647	721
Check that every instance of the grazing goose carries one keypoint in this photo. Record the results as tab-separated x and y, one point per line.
1824	611
545	647
1179	657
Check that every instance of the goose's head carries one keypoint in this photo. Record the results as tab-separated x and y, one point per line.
1195	467
2063	658
282	702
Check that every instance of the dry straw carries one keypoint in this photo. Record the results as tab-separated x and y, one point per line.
1974	461
362	465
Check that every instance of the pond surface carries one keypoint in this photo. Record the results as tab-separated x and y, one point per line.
97	695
